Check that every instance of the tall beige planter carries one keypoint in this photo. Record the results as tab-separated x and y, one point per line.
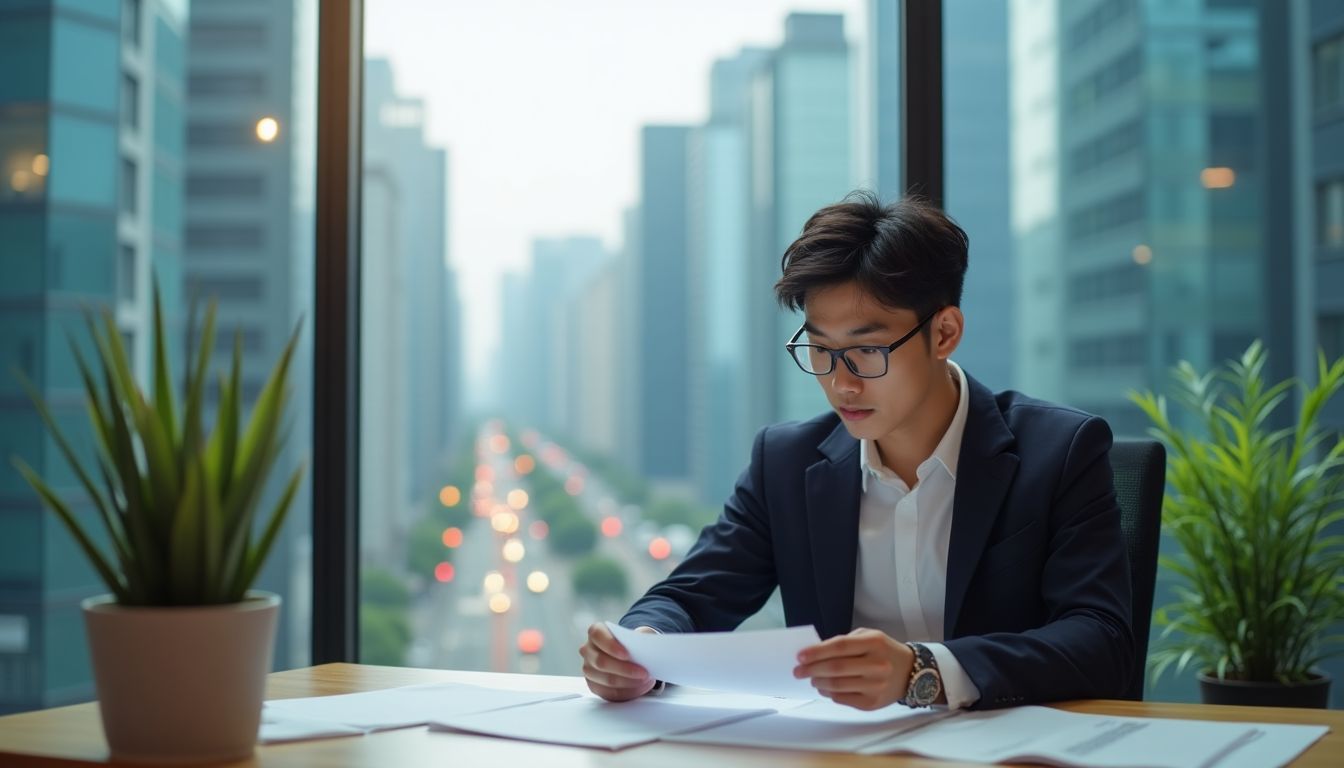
181	684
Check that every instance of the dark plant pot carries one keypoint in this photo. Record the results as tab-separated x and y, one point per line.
1314	693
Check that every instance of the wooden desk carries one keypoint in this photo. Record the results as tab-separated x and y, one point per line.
73	736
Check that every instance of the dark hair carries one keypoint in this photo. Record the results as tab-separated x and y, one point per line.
906	255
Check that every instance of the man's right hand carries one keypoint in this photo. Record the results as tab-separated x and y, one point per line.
608	669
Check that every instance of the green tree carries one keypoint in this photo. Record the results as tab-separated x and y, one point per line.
384	630
384	635
378	586
572	534
600	577
424	546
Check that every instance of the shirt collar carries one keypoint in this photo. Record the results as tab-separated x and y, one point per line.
946	453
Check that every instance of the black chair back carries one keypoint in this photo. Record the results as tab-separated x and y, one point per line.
1140	468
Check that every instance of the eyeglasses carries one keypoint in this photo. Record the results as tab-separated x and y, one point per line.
864	361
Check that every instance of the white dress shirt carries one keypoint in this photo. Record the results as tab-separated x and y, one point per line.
901	576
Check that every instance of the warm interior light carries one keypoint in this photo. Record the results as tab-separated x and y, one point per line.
267	129
1218	177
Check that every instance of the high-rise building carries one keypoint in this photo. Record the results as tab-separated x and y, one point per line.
240	211
90	146
724	411
407	307
561	267
1326	239
1153	249
661	305
801	142
975	131
593	362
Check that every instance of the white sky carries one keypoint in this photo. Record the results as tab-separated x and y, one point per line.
539	103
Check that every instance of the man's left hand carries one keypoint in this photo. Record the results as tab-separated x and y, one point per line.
865	669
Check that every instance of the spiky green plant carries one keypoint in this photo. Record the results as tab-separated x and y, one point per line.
1261	577
177	505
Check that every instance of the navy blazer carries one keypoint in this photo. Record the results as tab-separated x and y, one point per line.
1037	606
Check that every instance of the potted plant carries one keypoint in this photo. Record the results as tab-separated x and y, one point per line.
180	646
1261	581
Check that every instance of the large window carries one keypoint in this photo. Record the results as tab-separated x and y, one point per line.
94	208
568	333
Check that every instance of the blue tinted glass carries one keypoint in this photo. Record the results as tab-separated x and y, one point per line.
81	250
85	65
21	258
107	9
24	60
83	161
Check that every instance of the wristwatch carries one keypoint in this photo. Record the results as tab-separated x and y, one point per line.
926	684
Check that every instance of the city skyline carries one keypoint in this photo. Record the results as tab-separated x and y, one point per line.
550	139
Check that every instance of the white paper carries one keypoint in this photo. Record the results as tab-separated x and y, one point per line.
592	722
759	662
276	729
1041	734
819	726
405	706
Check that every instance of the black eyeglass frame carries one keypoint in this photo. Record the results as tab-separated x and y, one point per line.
840	354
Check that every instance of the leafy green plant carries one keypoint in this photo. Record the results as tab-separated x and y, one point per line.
1252	507
177	506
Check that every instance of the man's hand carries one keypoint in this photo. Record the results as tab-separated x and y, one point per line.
865	669
608	669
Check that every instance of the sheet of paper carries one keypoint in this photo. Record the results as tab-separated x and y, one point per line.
405	706
276	729
1041	734
759	662
591	722
819	726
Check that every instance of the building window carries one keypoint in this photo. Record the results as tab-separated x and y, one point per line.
1329	74
208	236
225	185
1116	142
129	186
1330	335
1109	214
233	134
126	279
227	84
1101	352
228	36
1330	215
238	288
1106	81
130	102
130	21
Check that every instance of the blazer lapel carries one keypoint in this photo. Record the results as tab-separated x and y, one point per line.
985	470
833	529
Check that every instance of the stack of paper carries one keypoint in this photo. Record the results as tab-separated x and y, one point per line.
592	722
1044	735
818	726
355	713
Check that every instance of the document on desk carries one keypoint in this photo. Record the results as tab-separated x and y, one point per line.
402	707
591	722
1056	737
759	662
819	726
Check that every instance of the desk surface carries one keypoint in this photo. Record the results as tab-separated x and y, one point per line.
73	736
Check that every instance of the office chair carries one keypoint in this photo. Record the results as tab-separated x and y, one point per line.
1139	467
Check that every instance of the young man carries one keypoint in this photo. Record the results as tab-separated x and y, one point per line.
951	545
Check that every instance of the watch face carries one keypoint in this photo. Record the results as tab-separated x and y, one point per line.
925	687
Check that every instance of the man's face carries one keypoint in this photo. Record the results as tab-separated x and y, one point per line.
845	316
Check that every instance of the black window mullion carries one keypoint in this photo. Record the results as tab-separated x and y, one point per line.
922	98
335	450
